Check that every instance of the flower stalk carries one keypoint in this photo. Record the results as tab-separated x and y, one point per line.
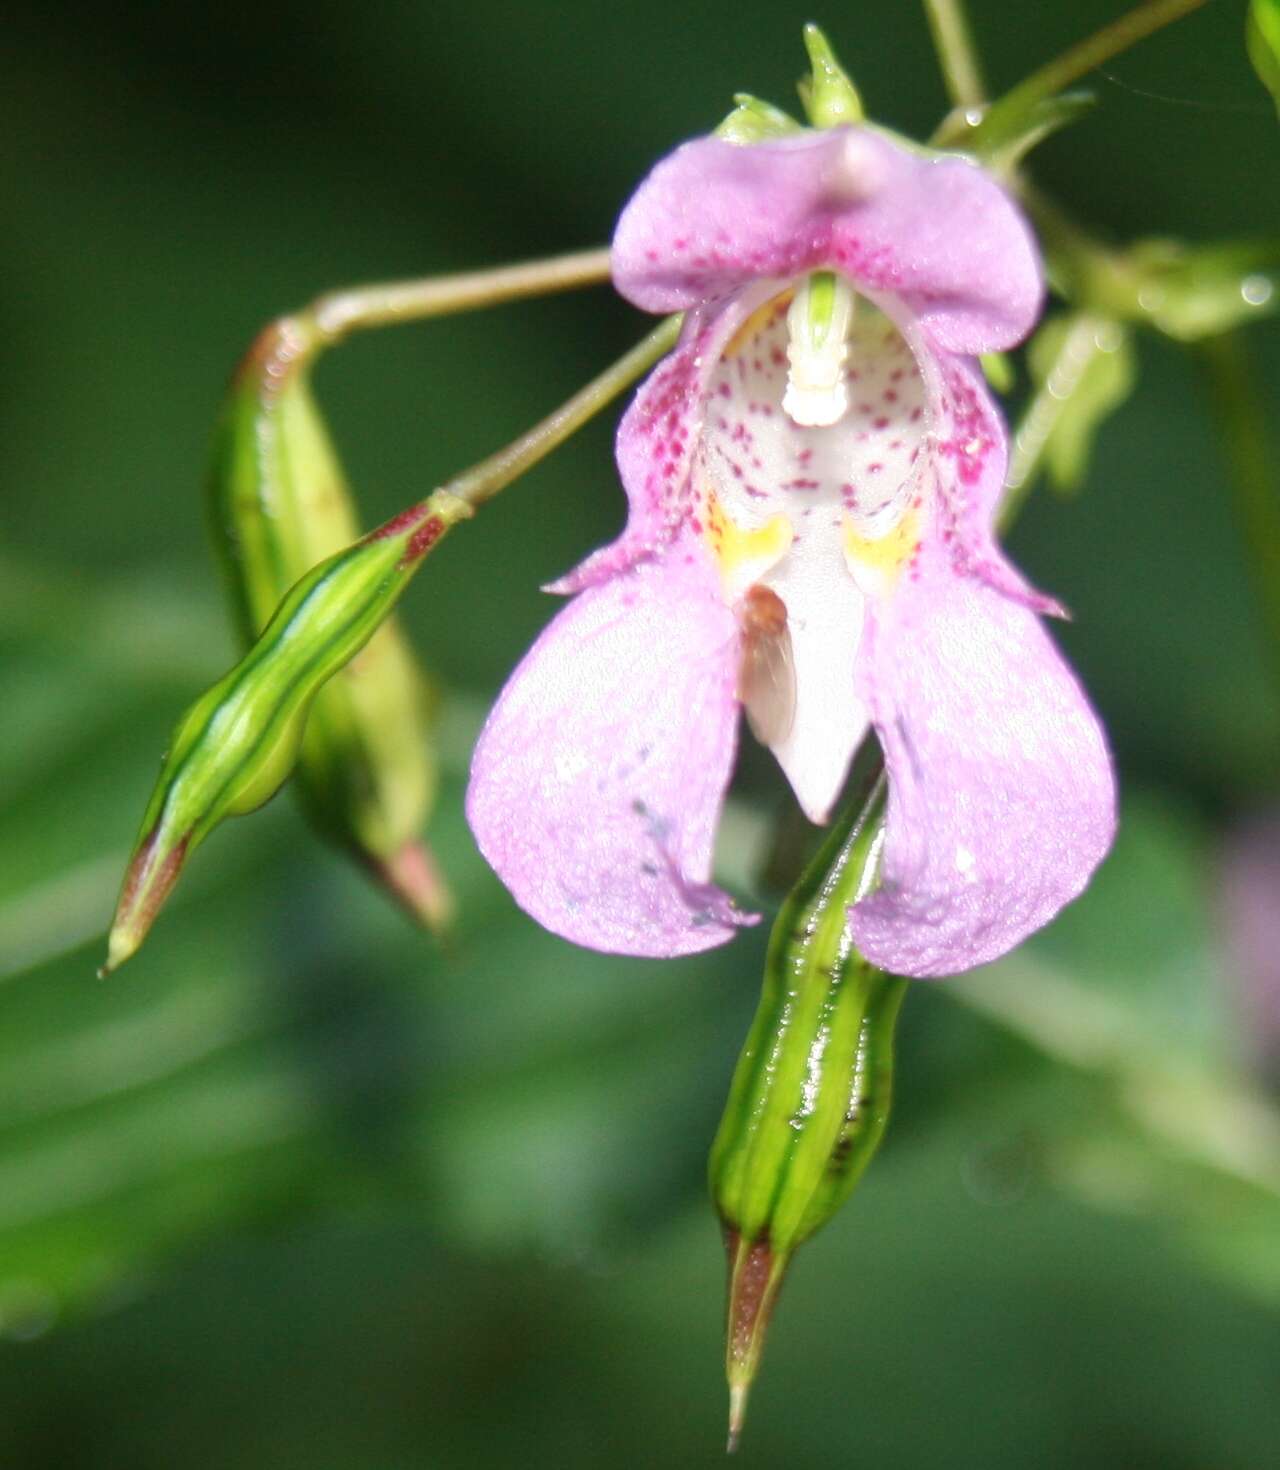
335	315
968	126
957	56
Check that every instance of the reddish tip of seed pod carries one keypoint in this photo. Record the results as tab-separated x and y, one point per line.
755	1276
413	878
147	884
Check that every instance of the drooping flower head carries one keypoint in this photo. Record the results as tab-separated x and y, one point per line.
812	476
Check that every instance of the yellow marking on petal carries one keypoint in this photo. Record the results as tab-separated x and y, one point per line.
744	556
875	564
763	316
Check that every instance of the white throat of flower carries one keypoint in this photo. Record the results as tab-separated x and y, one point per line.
819	324
809	471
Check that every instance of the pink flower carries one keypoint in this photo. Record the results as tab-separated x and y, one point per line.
812	476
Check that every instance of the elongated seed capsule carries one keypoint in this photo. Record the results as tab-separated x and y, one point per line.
810	1097
279	504
238	741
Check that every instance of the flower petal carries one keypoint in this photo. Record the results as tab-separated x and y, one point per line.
656	441
967	456
824	618
1001	796
598	779
933	232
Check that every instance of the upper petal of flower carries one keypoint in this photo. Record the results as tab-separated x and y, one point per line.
933	232
598	779
1001	796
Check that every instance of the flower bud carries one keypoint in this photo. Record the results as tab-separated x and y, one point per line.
828	93
752	121
238	742
280	504
810	1097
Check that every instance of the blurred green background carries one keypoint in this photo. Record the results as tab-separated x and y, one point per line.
296	1187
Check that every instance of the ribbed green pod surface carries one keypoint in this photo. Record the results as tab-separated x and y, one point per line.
810	1097
238	741
279	504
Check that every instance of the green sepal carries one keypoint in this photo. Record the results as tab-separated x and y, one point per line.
1262	40
810	1097
236	745
280	503
1002	138
753	121
830	99
1083	367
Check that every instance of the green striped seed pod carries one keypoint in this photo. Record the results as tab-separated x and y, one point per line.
810	1097
238	742
279	505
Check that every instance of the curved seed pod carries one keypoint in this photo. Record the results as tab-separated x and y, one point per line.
238	741
279	504
810	1097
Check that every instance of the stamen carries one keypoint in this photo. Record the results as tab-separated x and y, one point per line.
819	321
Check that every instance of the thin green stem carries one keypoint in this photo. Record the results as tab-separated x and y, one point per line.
483	481
1075	62
957	58
1255	472
340	312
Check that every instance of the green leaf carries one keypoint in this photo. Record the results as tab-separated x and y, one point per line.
1002	139
1262	39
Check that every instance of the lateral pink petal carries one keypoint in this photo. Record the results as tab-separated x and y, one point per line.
969	456
598	779
656	442
1001	795
932	231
